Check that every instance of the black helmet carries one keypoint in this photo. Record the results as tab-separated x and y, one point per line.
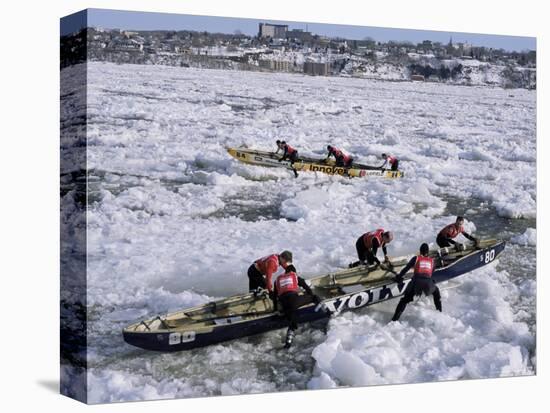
424	249
329	147
384	155
278	141
283	142
290	268
459	218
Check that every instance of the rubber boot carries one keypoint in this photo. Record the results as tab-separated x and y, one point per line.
356	264
289	338
437	301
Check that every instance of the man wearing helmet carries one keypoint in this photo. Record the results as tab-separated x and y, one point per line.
341	158
421	281
367	246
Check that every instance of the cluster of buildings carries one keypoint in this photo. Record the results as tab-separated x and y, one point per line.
281	35
278	48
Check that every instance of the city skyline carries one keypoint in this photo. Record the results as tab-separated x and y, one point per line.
135	20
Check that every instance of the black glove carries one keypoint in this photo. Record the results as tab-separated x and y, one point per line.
399	281
316	299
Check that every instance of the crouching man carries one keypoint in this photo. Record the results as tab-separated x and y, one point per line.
367	246
260	273
446	236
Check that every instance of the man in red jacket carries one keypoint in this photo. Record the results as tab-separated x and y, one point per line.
367	246
260	273
421	282
391	160
446	235
341	158
289	153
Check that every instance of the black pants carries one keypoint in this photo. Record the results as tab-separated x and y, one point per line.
395	166
443	242
363	253
255	278
419	285
292	157
340	162
290	303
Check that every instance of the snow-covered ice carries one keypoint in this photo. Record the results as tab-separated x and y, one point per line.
529	237
475	337
174	221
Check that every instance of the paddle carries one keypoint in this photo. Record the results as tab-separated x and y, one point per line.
388	268
397	279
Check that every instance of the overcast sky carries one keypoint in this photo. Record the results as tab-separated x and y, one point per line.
132	20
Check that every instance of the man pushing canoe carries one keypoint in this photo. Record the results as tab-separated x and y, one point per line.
260	273
289	153
287	293
367	246
341	158
390	160
446	236
421	283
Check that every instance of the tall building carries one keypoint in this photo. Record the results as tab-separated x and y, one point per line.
275	31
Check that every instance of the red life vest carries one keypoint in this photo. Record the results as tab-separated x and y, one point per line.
370	236
289	149
266	264
336	152
451	231
287	283
339	154
392	160
424	266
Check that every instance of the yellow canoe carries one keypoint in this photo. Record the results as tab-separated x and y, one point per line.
270	159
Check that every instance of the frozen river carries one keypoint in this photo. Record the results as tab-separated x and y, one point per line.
174	221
